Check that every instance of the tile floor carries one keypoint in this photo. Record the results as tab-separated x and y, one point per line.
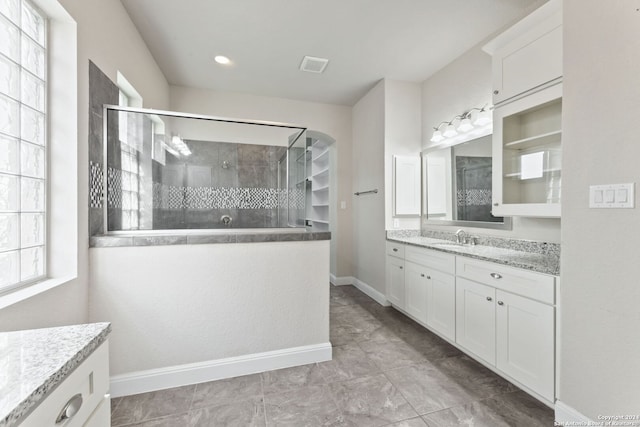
386	371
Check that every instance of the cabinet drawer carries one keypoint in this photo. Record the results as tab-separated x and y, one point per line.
436	260
395	249
90	379
529	284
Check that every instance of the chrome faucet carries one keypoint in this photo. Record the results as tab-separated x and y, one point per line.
461	236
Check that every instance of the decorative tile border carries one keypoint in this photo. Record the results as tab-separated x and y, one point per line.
172	197
473	197
95	185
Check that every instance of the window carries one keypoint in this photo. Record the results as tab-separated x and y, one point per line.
23	142
129	165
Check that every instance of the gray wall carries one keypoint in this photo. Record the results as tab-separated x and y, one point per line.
600	295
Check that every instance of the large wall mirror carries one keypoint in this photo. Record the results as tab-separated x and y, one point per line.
457	183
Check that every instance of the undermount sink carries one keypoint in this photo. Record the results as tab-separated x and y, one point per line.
448	245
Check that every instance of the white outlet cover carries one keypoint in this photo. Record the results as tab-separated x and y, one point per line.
612	196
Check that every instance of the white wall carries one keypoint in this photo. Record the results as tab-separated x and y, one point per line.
600	317
464	84
333	120
402	137
368	173
173	305
106	36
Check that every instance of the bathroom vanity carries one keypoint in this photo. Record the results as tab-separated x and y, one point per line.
497	304
55	377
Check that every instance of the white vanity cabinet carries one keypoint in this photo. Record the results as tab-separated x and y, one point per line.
500	315
429	286
395	280
84	395
506	317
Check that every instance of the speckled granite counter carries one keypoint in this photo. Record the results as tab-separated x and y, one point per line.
196	237
36	361
535	256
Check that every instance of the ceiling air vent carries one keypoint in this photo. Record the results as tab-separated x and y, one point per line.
312	64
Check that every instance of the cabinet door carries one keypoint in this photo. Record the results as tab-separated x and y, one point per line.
525	342
476	319
395	281
101	417
415	281
441	303
527	164
530	60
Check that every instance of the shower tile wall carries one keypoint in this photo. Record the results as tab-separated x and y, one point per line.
139	129
239	180
101	91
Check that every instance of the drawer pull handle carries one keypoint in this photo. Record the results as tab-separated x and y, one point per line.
395	249
421	275
496	276
70	409
401	267
500	303
429	277
489	299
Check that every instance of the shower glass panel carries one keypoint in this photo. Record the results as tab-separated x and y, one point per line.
168	170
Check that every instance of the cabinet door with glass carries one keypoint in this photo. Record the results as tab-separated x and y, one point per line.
527	153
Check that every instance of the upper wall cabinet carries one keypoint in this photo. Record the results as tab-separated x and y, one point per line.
527	118
528	56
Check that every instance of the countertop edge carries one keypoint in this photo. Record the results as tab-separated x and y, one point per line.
134	239
24	408
541	270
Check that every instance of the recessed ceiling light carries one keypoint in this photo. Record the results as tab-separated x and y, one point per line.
220	59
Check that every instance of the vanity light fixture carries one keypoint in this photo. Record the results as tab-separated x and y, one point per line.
471	124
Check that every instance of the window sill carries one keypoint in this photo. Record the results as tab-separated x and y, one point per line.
27	292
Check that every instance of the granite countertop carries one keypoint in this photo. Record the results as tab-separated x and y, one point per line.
547	263
197	237
36	361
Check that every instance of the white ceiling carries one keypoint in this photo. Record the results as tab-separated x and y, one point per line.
364	40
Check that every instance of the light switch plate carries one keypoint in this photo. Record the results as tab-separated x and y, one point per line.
612	196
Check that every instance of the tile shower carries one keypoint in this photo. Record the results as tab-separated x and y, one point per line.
172	171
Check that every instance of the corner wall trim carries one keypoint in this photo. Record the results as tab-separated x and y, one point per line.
565	414
193	373
378	296
373	293
341	281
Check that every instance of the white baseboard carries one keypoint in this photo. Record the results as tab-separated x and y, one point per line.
341	281
379	297
565	414
373	293
193	373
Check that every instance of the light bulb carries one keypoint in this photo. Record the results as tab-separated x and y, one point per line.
465	125
483	118
450	131
437	136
